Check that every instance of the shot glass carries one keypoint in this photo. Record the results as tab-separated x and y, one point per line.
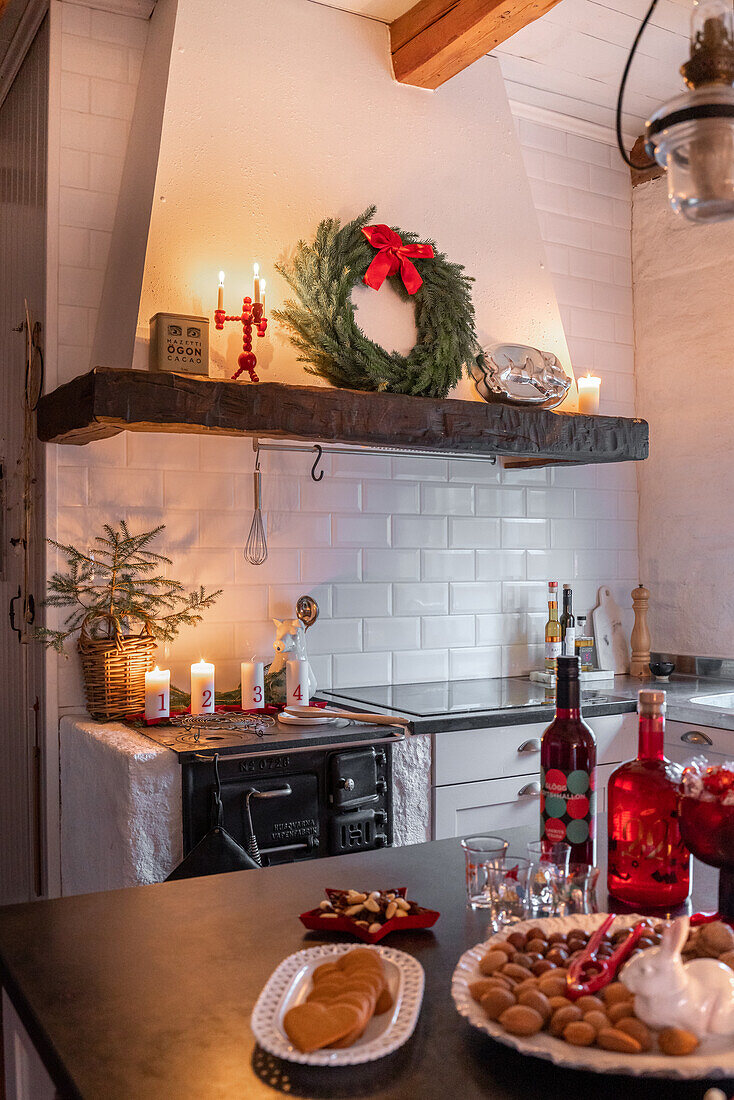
548	873
578	891
508	888
479	851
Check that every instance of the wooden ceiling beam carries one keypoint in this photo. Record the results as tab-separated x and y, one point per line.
639	155
436	39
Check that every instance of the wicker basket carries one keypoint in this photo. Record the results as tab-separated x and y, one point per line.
114	669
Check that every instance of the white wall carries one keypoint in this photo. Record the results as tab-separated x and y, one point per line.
423	568
682	283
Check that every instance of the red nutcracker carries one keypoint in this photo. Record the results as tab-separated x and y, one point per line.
253	314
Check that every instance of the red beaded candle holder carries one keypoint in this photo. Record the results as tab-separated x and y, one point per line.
252	314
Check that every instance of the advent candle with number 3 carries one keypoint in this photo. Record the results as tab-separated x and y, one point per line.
253	685
296	683
202	688
157	694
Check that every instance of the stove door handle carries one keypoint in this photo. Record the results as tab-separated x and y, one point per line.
277	793
261	748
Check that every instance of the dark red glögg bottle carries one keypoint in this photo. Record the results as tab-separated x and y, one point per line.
568	770
649	865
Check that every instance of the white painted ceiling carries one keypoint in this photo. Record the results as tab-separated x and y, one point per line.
571	59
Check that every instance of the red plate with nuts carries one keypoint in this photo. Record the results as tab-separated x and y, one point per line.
368	915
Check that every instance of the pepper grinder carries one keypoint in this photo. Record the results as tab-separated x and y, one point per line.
640	637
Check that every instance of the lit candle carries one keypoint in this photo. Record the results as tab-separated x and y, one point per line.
202	688
589	393
262	293
256	290
296	683
220	295
253	685
157	694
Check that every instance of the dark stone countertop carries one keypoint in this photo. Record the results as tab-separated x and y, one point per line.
147	993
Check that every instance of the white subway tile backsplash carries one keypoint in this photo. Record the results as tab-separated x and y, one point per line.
447	565
207	491
526	534
390	497
421	599
391	565
105	172
360	530
392	634
446	631
520	659
361	600
278	564
335	636
573	534
115	489
362	669
72	488
282	599
419	469
501	565
417	531
498	630
548	565
447	500
294	530
329	566
329	495
420	666
490	500
550	502
477	471
479	662
530	596
595	503
474	533
475	597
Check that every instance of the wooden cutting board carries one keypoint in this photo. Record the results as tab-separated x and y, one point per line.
612	647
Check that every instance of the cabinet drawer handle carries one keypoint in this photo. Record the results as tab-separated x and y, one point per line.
533	745
530	790
695	737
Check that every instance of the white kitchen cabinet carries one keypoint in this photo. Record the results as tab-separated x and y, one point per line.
488	779
26	1077
684	740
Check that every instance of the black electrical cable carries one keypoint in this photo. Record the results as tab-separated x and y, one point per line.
620	141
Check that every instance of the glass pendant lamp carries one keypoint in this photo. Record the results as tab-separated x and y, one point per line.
692	136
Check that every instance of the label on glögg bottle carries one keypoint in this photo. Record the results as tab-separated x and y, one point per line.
568	805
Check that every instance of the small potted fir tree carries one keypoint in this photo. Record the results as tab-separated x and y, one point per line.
121	605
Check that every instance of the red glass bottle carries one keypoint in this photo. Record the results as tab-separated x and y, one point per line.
648	863
568	770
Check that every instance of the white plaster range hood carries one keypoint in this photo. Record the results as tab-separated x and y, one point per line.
254	120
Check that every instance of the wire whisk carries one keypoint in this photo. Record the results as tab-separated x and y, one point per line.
256	547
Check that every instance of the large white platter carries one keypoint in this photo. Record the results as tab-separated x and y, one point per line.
713	1059
291	982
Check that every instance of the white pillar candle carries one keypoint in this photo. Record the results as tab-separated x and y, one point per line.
157	694
296	683
202	688
252	675
589	393
262	294
256	283
220	295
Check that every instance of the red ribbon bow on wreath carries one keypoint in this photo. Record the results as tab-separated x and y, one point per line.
393	255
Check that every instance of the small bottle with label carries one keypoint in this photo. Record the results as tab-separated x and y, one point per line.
552	629
568	624
584	644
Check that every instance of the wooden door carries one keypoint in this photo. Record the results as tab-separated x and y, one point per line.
23	138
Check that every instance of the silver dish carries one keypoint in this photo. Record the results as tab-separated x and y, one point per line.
519	375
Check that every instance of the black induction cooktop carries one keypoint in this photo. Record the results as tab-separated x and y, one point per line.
445	697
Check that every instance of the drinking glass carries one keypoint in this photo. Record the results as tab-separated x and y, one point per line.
508	889
578	890
479	851
548	872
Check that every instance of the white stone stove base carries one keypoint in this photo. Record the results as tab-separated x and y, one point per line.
121	804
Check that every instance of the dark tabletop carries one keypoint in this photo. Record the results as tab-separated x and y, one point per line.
147	993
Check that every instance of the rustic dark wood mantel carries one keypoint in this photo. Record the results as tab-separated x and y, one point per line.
104	402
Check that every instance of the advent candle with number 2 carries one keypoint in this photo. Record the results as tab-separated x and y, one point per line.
253	685
296	683
157	694
202	688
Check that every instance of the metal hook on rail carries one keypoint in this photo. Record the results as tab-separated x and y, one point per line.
319	452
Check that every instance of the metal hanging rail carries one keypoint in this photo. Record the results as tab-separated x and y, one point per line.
317	450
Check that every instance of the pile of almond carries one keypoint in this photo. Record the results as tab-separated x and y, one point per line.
523	988
369	910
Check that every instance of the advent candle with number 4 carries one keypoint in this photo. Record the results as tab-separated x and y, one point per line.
253	685
157	694
202	688
296	683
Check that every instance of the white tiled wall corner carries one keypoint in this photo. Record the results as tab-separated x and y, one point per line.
423	568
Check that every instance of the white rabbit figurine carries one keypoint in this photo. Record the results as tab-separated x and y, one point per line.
697	996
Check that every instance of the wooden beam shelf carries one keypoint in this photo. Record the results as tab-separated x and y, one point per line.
104	402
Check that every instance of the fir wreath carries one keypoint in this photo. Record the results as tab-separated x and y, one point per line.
324	329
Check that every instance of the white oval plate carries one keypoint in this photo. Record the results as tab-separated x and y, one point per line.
322	720
290	983
714	1058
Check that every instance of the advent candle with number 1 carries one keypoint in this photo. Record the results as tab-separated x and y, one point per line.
296	683
253	685
157	694
202	688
